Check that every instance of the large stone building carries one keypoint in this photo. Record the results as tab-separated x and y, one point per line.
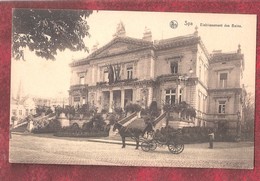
168	71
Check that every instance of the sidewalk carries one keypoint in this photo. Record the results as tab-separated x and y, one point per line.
115	140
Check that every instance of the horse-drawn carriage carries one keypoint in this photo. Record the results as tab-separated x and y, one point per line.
166	137
173	143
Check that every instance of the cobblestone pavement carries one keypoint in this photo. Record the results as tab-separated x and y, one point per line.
53	150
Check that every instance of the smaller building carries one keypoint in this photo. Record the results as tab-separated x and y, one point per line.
22	107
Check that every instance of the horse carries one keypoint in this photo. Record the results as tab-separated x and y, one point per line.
133	133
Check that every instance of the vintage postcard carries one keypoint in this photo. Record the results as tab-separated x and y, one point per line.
128	88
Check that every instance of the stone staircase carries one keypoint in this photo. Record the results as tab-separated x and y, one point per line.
125	121
160	121
137	123
21	128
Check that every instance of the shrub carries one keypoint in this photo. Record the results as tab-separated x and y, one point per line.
87	126
98	122
104	111
88	130
112	119
52	127
129	108
119	111
153	109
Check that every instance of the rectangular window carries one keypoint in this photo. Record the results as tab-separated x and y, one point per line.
27	112
76	99
223	79
105	78
180	95
82	80
222	107
129	72
20	112
14	112
170	96
174	67
83	100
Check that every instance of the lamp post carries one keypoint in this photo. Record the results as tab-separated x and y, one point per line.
238	123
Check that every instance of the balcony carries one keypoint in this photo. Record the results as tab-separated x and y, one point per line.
78	87
219	117
123	81
216	117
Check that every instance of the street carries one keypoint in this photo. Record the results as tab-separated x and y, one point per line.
54	150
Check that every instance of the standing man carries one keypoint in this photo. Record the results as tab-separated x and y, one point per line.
211	138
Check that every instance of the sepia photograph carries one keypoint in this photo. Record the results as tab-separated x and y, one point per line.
132	88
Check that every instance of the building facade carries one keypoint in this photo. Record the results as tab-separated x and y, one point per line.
168	71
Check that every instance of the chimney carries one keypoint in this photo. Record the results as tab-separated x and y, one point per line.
95	47
196	33
239	48
147	36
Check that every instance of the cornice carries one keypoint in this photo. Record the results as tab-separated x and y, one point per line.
239	90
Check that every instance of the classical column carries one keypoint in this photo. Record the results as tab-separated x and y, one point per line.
98	74
150	96
122	98
135	71
93	75
135	94
152	68
111	101
177	94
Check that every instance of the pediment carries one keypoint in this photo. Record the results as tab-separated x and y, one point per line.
118	46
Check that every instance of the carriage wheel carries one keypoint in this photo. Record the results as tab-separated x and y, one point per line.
145	146
153	145
176	148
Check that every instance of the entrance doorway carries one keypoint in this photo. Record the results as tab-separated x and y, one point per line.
128	96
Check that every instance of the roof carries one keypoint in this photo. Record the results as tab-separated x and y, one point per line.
126	39
101	52
216	57
135	44
177	41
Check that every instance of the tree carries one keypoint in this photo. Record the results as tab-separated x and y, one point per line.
248	112
46	31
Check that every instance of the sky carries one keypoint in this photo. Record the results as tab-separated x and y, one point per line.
46	78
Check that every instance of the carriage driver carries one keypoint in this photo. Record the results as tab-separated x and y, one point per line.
149	129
